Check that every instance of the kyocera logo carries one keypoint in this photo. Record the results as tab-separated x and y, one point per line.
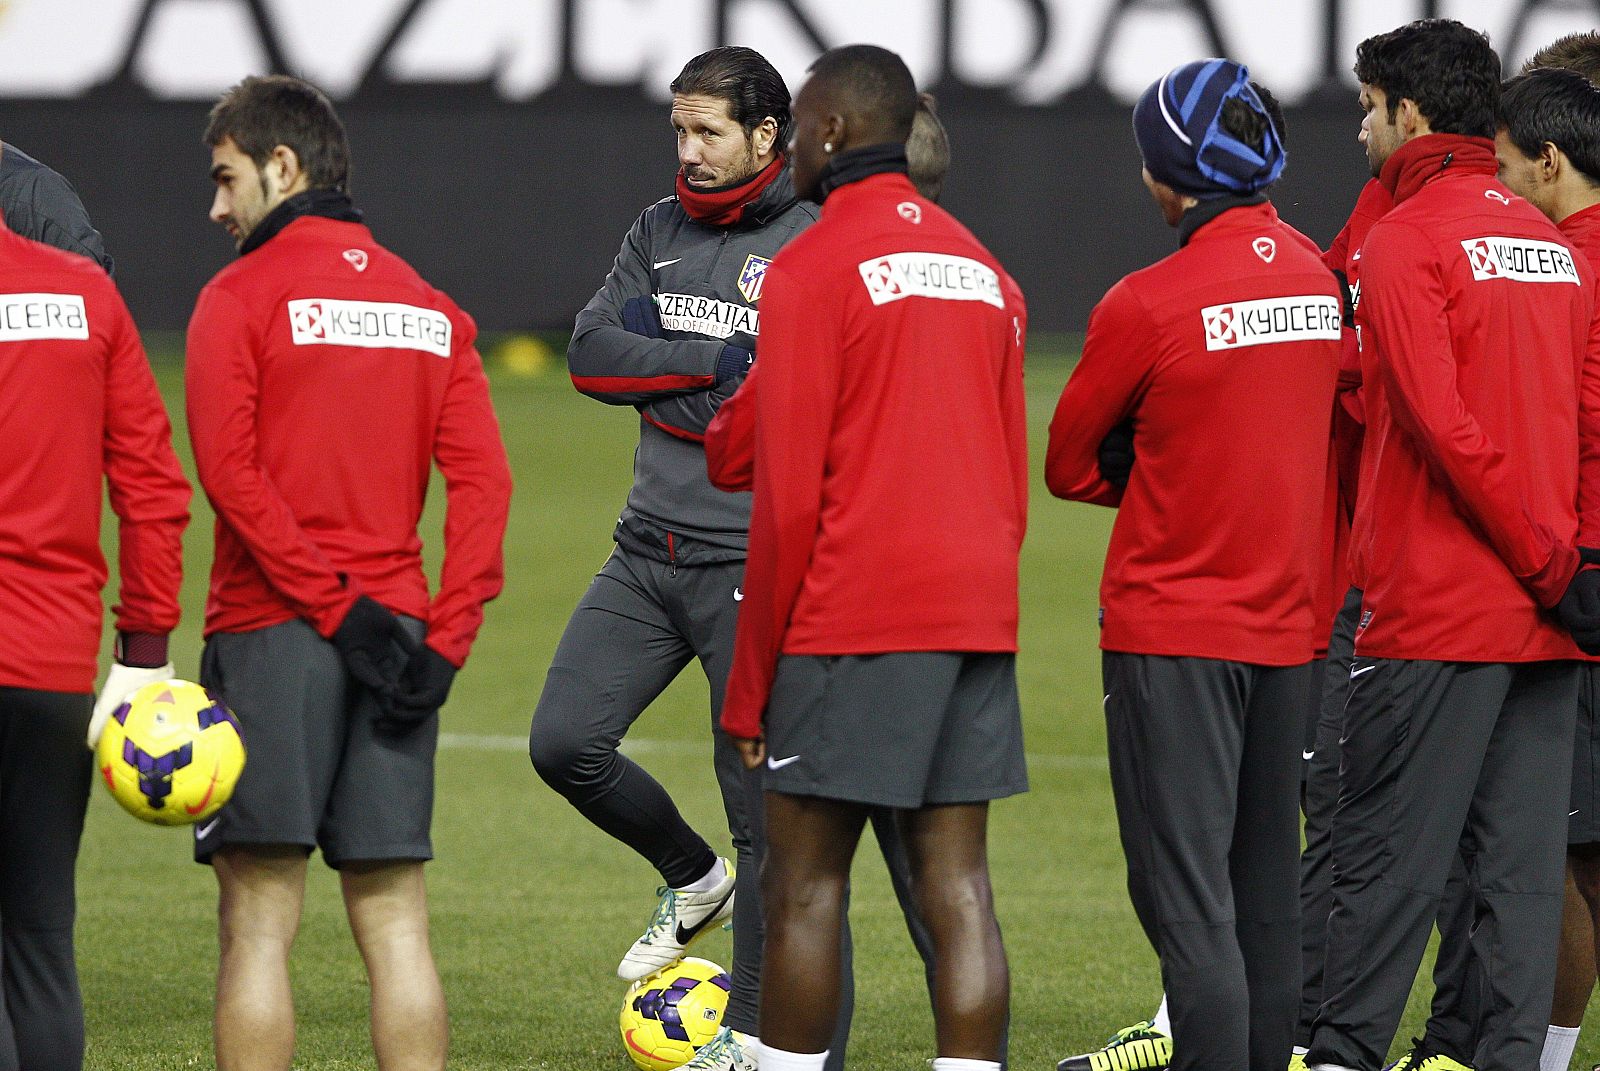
368	325
1525	260
1282	319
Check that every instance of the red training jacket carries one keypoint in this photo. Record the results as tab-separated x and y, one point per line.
1225	354
1477	323
323	377
731	440
1344	255
77	405
890	448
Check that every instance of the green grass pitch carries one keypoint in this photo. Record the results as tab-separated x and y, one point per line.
532	907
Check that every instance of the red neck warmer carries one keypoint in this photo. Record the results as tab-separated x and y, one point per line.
724	206
1420	160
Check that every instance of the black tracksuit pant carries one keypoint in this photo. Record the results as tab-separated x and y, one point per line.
1205	771
1453	1026
45	774
639	625
1444	761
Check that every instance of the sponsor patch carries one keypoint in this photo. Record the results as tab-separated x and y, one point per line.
1525	260
706	315
930	275
368	324
24	317
1269	320
752	275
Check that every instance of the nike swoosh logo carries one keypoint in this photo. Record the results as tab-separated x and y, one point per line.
1571	813
778	764
205	831
1364	669
738	594
1307	755
664	263
689	933
206	799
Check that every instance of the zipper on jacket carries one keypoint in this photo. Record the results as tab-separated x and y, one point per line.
672	556
716	258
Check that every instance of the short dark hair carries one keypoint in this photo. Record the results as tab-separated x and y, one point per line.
1447	69
741	76
1274	110
1575	52
1558	106
265	111
875	83
928	149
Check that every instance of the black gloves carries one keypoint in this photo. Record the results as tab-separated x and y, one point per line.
733	361
374	646
1579	608
424	684
639	315
1116	455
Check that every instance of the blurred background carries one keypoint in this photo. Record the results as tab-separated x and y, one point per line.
503	146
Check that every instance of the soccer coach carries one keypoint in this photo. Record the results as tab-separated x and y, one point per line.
325	379
1479	375
671	334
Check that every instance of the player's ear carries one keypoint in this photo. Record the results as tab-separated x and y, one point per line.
283	169
1551	161
1408	117
835	128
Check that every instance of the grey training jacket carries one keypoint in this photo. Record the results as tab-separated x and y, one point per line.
705	285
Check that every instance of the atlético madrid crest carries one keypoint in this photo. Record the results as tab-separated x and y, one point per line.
750	278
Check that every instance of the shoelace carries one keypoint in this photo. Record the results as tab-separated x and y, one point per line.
666	914
724	1044
1137	1030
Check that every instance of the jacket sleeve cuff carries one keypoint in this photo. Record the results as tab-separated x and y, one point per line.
143	650
327	620
1551	581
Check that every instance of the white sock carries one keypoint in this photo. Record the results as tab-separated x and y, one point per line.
1559	1041
711	879
950	1063
1331	1067
1163	1021
778	1060
1298	1050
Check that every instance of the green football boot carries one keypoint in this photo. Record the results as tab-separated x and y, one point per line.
1140	1047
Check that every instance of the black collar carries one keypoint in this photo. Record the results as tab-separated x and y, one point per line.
853	165
1210	209
330	204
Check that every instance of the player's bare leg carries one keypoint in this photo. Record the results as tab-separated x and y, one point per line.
810	842
948	847
388	908
258	913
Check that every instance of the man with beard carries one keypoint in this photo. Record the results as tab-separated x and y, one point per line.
1475	324
672	333
321	634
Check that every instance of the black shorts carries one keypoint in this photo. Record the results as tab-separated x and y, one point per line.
317	773
906	729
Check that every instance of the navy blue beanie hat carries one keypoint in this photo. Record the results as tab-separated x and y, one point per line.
1178	125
